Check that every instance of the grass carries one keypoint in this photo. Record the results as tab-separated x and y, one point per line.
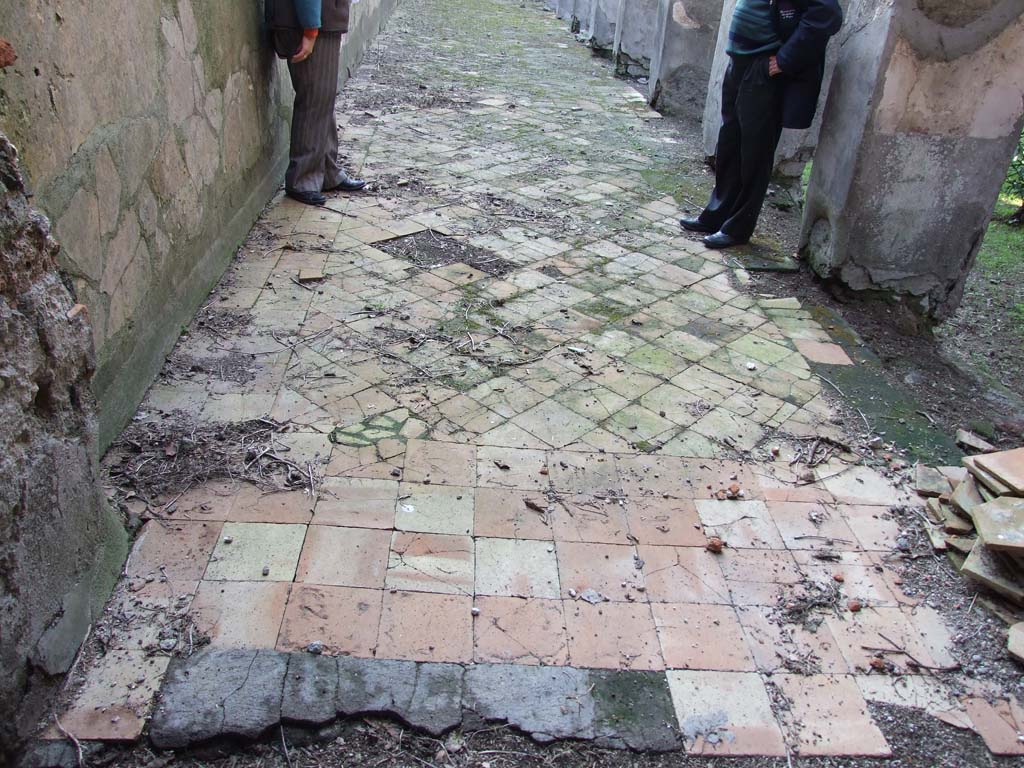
1002	252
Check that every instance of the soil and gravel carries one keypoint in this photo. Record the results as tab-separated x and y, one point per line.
917	739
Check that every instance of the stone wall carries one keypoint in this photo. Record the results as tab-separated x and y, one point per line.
152	133
61	547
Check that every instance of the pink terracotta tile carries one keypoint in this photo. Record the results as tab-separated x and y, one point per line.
344	619
828	716
502	513
206	502
357	502
826	353
252	505
512	468
725	713
875	527
702	636
683	575
600	567
779	646
575	473
665	522
886	632
811	526
1000	722
612	636
512	630
426	627
431	562
744	524
589	519
364	462
428	461
240	614
779	481
177	551
516	568
646	475
346	557
115	697
759	576
862	578
139	609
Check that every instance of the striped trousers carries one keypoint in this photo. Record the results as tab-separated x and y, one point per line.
314	163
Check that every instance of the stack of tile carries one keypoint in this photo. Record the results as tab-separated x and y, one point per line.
977	517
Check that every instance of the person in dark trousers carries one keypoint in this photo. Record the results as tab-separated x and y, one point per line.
776	63
308	33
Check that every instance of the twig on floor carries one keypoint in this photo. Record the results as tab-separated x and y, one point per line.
284	747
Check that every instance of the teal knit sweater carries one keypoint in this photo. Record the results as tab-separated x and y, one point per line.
752	31
308	12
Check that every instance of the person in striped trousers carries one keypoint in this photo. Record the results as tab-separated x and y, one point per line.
313	30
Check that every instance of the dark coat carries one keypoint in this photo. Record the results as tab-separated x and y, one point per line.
802	58
325	15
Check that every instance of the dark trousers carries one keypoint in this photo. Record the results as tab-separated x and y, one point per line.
314	163
747	140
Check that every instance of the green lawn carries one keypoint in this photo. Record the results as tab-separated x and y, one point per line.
1002	252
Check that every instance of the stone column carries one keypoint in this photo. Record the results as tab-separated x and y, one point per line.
602	23
635	34
684	41
923	116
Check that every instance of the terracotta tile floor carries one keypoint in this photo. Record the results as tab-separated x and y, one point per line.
523	465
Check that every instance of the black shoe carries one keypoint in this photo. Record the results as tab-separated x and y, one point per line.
309	198
696	225
722	240
347	184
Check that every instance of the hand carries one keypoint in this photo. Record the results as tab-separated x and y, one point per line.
773	67
305	51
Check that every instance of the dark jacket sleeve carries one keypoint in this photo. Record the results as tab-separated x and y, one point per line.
806	46
308	13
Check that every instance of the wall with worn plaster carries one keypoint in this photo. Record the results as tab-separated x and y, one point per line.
921	122
152	132
635	36
685	37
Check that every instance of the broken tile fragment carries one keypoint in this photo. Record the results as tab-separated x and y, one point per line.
1000	524
996	571
1007	467
930	482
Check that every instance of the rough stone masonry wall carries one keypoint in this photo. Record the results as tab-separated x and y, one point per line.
152	132
61	547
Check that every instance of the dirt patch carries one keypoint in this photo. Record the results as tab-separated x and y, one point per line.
430	250
979	637
916	739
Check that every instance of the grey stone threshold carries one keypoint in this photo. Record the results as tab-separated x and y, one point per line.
245	695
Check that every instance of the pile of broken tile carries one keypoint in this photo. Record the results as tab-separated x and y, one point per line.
976	516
